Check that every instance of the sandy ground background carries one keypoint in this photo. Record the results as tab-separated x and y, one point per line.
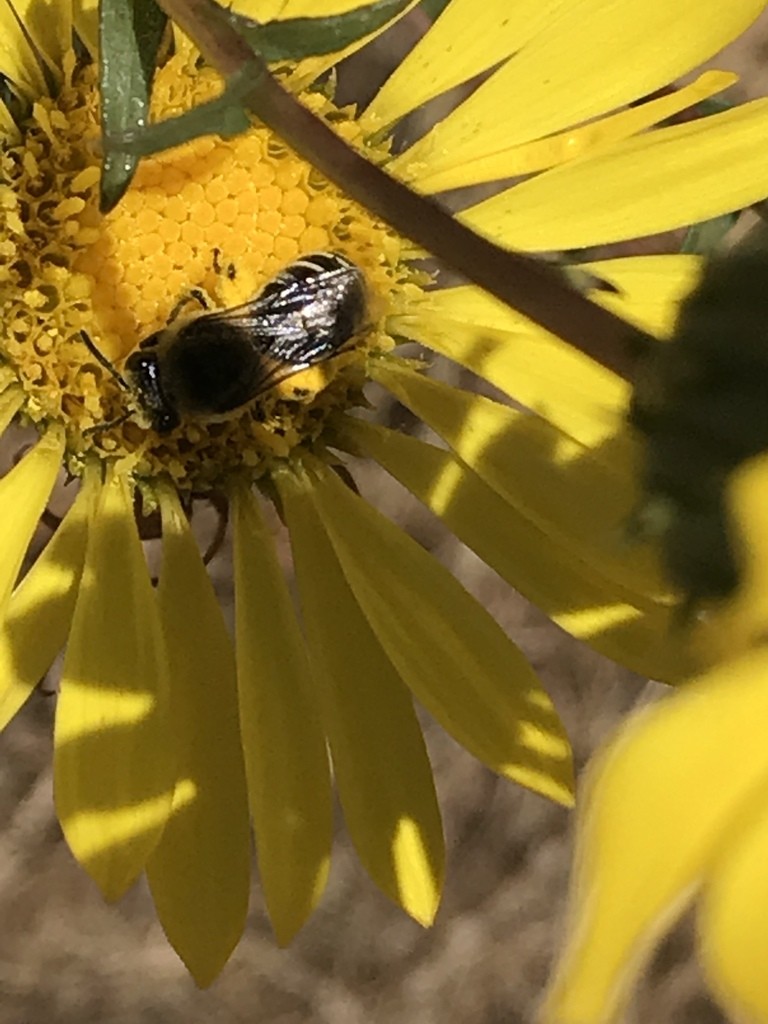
66	957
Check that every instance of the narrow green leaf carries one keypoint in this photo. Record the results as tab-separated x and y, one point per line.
706	237
224	116
291	39
433	8
130	34
126	139
296	38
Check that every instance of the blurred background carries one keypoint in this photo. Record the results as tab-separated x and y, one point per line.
68	958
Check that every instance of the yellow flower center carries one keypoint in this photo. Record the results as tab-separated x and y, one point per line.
222	216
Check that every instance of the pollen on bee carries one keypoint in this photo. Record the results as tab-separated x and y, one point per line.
304	385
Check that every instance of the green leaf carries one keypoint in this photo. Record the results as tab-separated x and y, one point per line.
225	116
296	38
128	139
130	34
433	8
707	236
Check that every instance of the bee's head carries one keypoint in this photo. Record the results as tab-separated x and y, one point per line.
143	372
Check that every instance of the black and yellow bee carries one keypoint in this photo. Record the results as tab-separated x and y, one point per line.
221	360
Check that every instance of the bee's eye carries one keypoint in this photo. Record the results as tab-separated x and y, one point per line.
166	421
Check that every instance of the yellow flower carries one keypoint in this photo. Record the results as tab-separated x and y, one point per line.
675	810
168	744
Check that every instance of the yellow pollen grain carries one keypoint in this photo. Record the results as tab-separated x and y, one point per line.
157	199
270	198
263	175
288	175
293	226
237	244
216	190
314	239
270	221
294	201
150	172
243	225
148	221
149	245
192	193
248	202
226	211
155	291
176	209
239	181
126	295
319	211
180	253
173	180
169	231
286	249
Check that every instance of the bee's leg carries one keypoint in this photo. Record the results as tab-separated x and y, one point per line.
220	504
193	295
219	269
107	424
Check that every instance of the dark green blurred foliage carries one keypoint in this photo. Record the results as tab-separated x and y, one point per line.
701	403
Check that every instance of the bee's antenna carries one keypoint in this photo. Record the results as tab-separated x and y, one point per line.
102	360
97	429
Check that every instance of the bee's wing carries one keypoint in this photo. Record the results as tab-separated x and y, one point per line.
300	335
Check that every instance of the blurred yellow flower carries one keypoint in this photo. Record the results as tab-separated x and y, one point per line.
170	742
676	809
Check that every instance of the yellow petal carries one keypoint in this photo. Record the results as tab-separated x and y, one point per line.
637	187
662	803
9	132
113	765
554	81
580	497
635	632
539	370
380	762
733	924
466	39
40	611
24	492
10	403
8	379
18	60
496	158
285	751
452	654
199	872
49	27
650	288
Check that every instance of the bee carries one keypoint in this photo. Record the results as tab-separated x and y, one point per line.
700	404
220	360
